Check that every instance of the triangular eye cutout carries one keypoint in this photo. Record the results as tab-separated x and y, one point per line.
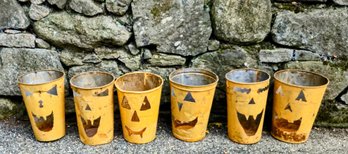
75	93
125	104
301	96
180	105
53	91
288	107
252	101
189	97
88	108
260	90
104	93
279	91
28	93
172	92
146	104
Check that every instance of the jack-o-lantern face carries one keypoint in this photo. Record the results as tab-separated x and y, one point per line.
139	96
297	97
294	102
250	106
91	110
247	91
93	97
43	94
192	93
189	102
42	112
145	105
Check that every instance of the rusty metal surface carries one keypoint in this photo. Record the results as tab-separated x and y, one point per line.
192	93
43	95
296	101
247	91
139	95
94	106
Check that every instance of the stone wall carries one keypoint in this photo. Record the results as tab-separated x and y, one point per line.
121	36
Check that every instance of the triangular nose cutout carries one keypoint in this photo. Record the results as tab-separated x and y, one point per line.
288	107
180	106
88	108
135	117
252	101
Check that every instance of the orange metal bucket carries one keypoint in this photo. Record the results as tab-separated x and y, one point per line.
139	95
94	106
246	91
296	101
43	95
192	93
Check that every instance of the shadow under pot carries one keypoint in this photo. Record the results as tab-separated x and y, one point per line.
43	95
139	95
296	101
94	106
192	94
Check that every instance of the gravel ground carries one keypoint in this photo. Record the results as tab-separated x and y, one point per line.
17	137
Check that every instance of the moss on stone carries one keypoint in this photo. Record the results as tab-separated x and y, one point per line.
11	107
341	63
160	8
332	114
297	7
291	7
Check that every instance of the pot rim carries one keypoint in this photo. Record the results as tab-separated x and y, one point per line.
92	72
138	92
303	71
44	70
248	83
194	70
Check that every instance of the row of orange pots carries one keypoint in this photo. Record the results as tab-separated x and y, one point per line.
296	100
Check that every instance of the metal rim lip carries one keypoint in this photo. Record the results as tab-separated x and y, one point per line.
133	91
327	81
91	72
194	70
62	75
247	83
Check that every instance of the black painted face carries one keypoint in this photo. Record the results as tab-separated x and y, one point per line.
249	108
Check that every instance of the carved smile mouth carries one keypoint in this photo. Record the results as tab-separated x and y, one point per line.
91	128
132	132
249	125
44	124
185	125
285	125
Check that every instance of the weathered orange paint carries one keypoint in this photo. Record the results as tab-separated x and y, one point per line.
43	95
94	106
246	91
296	101
139	95
192	93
